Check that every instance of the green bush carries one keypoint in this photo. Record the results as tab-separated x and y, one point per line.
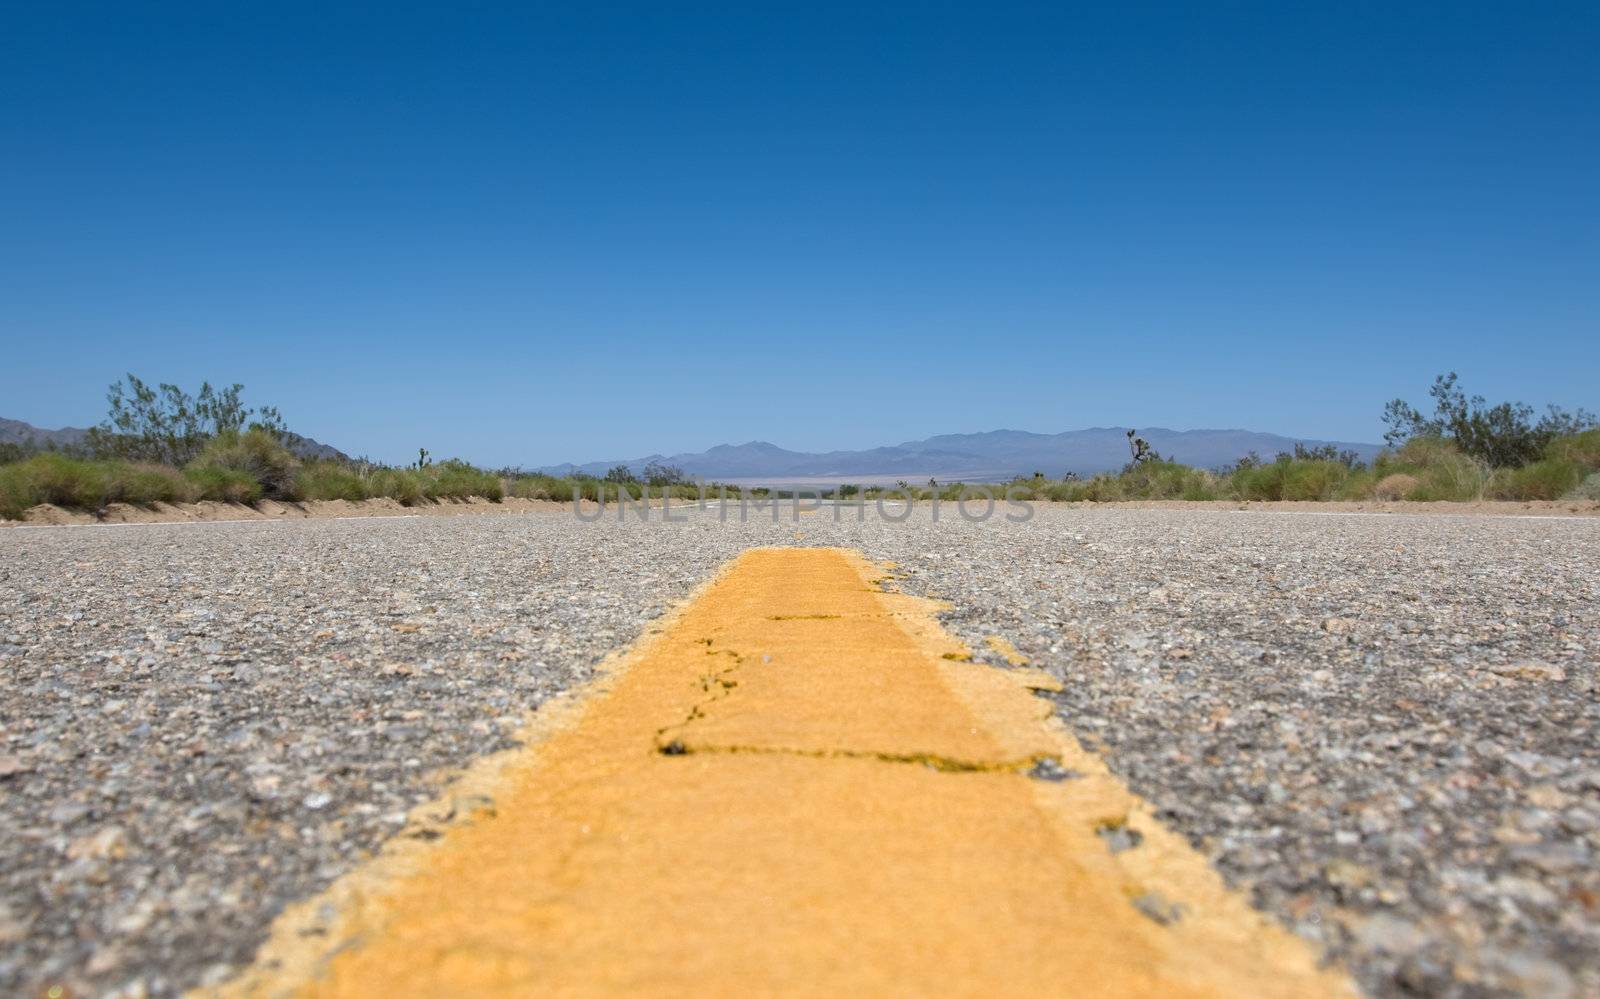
1291	479
16	492
1359	484
1549	479
53	478
1580	449
1263	482
1588	489
257	453
404	485
541	487
458	480
85	484
329	480
1166	480
1504	435
1313	480
1100	489
143	485
245	467
224	485
1442	471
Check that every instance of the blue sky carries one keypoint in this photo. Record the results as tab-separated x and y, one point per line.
528	233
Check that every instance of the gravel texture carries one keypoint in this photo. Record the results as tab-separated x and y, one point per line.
1383	727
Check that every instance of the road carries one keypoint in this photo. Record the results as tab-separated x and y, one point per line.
1380	730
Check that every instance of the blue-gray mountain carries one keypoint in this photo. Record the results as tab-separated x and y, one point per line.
992	456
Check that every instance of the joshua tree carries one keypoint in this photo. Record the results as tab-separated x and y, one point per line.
1142	452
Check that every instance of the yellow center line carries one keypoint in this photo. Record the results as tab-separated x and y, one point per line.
796	786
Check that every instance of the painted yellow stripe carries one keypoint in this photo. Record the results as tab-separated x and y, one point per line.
796	786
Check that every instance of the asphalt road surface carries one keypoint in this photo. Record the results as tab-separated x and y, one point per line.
1381	729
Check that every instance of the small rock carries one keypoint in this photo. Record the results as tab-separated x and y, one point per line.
1551	858
1530	974
1390	934
1343	873
1118	836
1530	670
110	843
1157	908
1548	796
1050	769
67	812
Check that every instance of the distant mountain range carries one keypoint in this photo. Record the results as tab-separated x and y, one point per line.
992	456
17	432
986	457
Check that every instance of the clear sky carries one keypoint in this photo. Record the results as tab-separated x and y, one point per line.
527	233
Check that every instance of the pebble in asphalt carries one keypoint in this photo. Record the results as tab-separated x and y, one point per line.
1384	728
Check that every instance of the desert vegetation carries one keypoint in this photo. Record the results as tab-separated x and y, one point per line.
1467	450
160	444
163	445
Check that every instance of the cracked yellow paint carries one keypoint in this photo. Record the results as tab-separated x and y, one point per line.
1005	650
791	788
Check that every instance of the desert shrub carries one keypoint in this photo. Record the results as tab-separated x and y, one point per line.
225	485
1318	479
329	480
532	487
1580	449
84	484
1104	489
1395	486
658	474
588	489
16	492
1357	485
1588	489
456	479
55	478
1290	479
163	423
257	453
1159	479
1504	435
543	487
51	478
1419	452
1549	479
1442	471
1287	479
142	484
1263	482
404	485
